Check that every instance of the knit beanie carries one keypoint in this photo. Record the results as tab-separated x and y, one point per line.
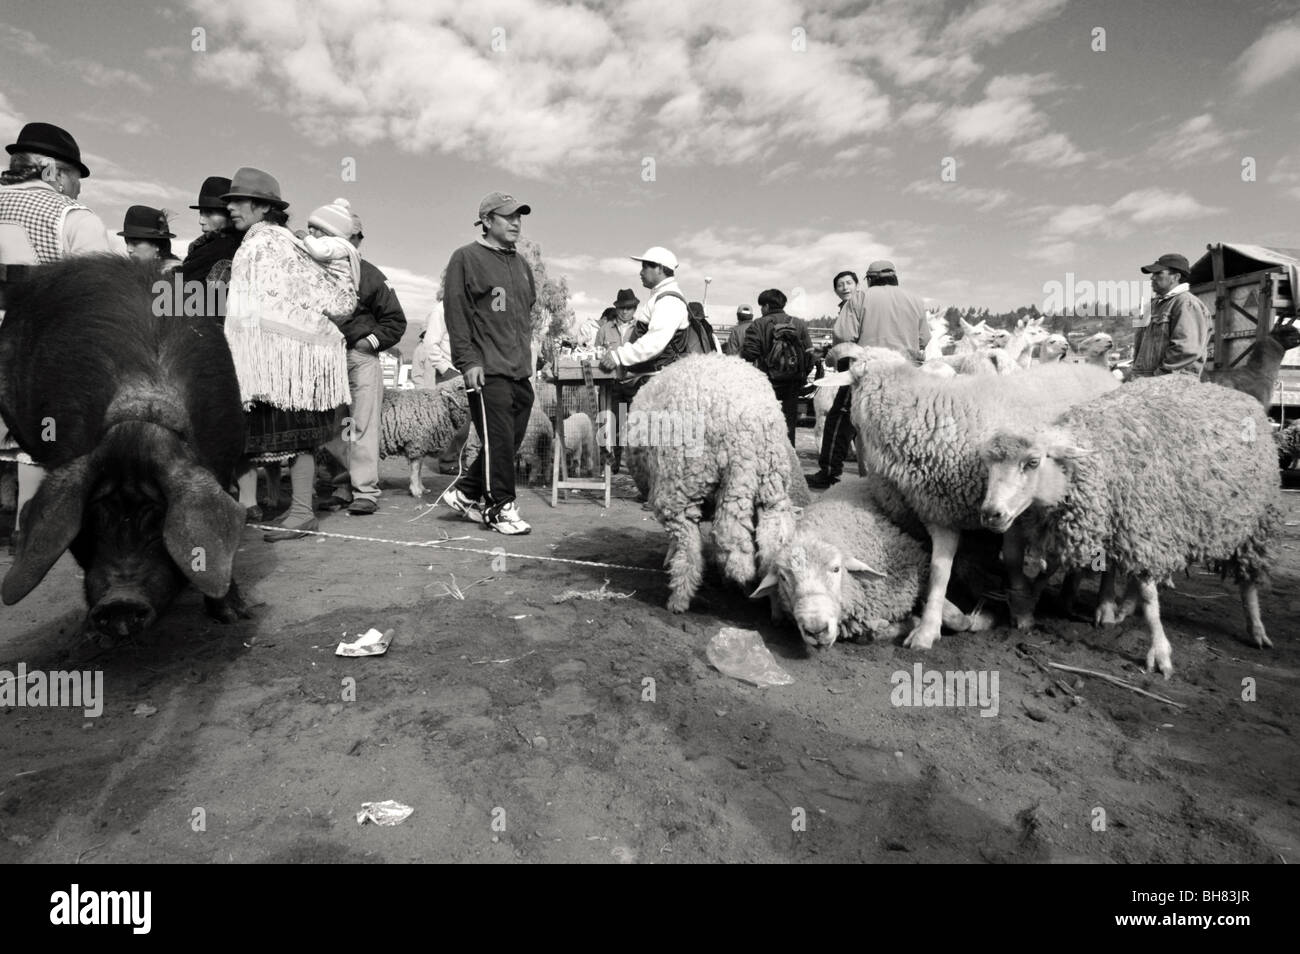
335	218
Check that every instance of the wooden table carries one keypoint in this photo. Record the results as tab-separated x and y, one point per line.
570	374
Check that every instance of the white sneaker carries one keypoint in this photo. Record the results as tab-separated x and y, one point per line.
463	504
505	519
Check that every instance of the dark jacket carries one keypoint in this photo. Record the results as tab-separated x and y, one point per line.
736	341
758	342
208	261
378	313
488	303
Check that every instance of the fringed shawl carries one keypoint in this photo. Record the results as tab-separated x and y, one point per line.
287	350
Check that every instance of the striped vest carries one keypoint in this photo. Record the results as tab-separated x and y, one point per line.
40	213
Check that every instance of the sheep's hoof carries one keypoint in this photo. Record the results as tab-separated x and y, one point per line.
980	619
922	637
678	603
1162	658
1023	621
417	492
1105	615
1257	636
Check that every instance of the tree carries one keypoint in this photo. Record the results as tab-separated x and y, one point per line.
552	312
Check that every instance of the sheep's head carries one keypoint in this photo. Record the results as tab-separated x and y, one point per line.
1034	332
1023	471
999	338
1096	346
806	578
868	361
1288	336
1055	348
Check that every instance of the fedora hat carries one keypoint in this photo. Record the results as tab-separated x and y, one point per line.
250	183
626	299
47	140
143	222
214	187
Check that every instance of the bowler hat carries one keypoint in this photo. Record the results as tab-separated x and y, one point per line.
250	183
626	299
1171	261
143	222
47	140
214	187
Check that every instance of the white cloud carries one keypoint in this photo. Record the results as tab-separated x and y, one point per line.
984	199
1006	113
417	292
11	120
1286	174
91	72
1270	57
1123	217
1198	139
1052	151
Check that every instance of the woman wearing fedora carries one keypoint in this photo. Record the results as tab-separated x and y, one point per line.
209	256
289	354
148	238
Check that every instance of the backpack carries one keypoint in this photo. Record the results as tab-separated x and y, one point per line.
699	333
786	360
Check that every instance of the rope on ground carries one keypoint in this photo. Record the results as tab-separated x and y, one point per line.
440	545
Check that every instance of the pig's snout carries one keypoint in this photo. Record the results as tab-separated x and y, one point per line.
122	616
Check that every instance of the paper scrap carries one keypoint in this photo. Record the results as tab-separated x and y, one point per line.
386	813
371	643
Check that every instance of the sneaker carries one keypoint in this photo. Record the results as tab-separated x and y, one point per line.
505	519
464	505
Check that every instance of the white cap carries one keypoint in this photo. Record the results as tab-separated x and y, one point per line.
659	255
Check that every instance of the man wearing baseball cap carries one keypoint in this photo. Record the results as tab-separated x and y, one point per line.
1175	336
659	332
883	315
488	301
744	321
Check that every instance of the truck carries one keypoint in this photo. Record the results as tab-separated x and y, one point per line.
1249	290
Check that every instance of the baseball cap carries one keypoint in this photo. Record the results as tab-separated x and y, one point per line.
502	203
1171	261
882	265
658	255
745	310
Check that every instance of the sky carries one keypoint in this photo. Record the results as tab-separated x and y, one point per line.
988	148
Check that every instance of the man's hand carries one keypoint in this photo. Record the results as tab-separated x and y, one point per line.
364	346
473	379
608	362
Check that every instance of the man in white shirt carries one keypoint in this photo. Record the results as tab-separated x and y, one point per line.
661	323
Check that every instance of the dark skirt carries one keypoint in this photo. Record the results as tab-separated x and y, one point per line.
273	430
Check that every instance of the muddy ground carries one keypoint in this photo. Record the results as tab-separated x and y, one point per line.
519	729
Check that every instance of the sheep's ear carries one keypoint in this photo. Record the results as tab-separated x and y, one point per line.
1067	451
765	587
854	565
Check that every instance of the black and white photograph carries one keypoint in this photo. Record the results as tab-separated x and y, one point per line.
651	432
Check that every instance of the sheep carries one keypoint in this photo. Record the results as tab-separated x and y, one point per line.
974	337
1095	349
414	423
707	432
1029	332
1258	374
921	437
823	398
809	578
1146	480
579	443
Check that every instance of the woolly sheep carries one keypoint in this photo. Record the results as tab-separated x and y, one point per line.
1095	349
414	423
1288	445
1160	474
579	443
1055	347
823	398
727	449
533	458
921	437
811	578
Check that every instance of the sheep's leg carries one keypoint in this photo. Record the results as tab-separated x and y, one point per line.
1254	625
943	547
1070	591
734	531
686	565
416	484
953	618
1131	593
1160	655
1105	614
1022	598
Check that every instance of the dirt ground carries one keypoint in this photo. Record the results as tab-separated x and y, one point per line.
519	729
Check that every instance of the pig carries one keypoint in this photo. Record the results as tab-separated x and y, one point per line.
137	422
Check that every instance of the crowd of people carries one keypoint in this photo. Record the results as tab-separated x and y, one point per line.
307	318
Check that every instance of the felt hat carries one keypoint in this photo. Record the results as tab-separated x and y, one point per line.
250	183
626	299
145	223
47	140
210	193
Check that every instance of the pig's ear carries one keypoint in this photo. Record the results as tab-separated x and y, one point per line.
854	565
50	521
766	586
202	528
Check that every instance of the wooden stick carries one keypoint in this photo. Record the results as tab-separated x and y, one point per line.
1118	682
